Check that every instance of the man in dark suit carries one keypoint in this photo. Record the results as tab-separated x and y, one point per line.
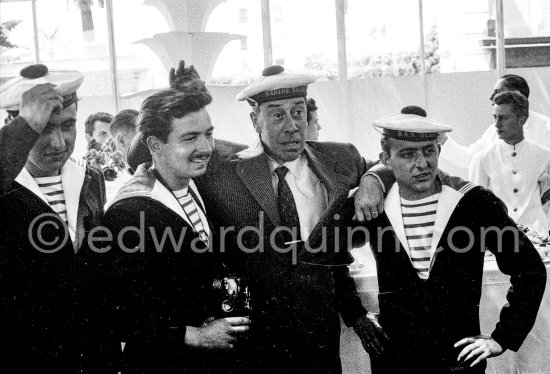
277	207
429	246
165	272
51	320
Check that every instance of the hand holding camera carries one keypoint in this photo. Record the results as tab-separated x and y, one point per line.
217	334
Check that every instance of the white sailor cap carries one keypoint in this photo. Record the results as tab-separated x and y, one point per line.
66	83
275	84
411	127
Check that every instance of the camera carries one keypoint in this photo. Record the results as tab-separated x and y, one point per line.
231	297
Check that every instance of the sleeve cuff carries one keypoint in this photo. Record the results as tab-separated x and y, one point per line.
500	337
351	318
377	177
176	335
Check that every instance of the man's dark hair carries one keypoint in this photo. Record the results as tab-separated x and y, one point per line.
413	109
514	82
311	107
125	120
158	110
385	144
519	102
92	119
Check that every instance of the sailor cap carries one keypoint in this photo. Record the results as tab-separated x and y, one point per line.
275	84
410	127
66	83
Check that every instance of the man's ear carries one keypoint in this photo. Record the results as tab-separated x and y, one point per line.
438	149
121	140
153	143
522	120
254	119
385	160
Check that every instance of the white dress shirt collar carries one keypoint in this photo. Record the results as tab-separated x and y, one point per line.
310	195
295	167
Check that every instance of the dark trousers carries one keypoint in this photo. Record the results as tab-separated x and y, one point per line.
397	366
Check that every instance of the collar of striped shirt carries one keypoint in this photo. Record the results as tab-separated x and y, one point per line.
52	189
418	220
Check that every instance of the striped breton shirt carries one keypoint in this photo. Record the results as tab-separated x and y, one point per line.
190	208
52	189
419	220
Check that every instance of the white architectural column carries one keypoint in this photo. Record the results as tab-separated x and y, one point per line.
187	39
112	54
341	39
423	54
266	32
200	49
500	51
185	15
340	12
35	33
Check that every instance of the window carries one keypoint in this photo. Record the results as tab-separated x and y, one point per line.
139	67
545	13
277	13
243	15
457	36
527	33
17	49
383	38
304	36
240	60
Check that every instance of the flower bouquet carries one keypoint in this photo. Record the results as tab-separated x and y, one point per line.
541	242
107	159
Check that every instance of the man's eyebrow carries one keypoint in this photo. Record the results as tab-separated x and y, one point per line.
195	133
298	102
408	149
190	133
68	121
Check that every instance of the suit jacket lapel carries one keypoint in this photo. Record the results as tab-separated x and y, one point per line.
255	174
83	204
72	178
335	183
324	167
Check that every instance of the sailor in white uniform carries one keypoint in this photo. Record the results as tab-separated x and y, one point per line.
515	168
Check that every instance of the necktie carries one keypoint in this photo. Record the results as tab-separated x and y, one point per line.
287	209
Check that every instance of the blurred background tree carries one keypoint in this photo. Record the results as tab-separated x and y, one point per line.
391	64
5	28
85	7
